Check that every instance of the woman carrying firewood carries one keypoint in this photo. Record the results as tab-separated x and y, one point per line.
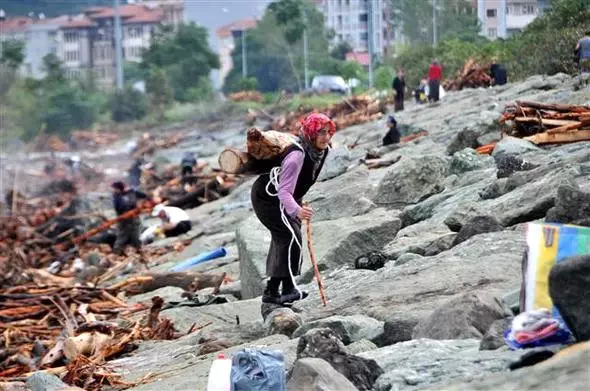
277	201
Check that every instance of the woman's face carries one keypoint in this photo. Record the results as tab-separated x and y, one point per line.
323	139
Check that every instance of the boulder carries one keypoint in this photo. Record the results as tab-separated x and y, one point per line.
412	180
396	329
282	321
41	381
325	344
568	288
514	146
348	328
364	345
338	161
494	338
426	364
423	238
315	374
572	206
253	241
477	225
340	242
469	160
509	164
467	316
13	386
465	138
344	196
566	370
405	258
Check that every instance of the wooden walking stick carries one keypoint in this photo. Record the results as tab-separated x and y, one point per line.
318	277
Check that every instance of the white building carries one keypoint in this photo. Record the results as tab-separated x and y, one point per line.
501	18
350	21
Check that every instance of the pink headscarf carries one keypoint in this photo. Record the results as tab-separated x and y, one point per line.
314	123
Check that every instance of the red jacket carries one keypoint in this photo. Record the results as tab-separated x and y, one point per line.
435	72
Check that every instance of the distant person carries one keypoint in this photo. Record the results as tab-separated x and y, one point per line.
393	135
135	172
582	52
498	74
175	221
399	86
434	78
188	164
420	92
128	230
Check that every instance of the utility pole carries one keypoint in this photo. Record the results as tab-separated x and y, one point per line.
118	49
305	50
244	59
434	37
2	19
370	41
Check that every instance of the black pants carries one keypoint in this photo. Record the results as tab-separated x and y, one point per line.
434	87
181	228
127	235
399	101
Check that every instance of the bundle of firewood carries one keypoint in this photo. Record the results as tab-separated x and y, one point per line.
547	123
247	96
471	75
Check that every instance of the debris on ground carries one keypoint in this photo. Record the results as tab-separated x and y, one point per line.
148	144
93	140
247	96
471	75
546	123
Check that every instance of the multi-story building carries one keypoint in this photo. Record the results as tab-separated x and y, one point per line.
86	42
501	18
226	44
350	21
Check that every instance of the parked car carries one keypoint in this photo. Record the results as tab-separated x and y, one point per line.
330	83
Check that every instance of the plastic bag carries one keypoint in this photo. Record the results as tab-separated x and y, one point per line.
258	370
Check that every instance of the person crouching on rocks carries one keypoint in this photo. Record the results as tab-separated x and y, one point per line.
277	201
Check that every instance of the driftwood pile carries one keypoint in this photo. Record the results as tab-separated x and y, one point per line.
82	139
471	75
247	96
546	123
351	111
148	144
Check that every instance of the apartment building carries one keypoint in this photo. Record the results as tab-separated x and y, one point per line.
226	45
86	42
501	18
350	21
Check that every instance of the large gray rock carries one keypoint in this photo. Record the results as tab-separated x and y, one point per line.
467	316
315	374
563	371
345	196
348	328
509	164
465	138
253	241
426	363
423	238
469	160
477	225
338	161
364	345
396	330
494	338
572	206
41	381
324	344
340	242
568	287
412	180
513	146
282	321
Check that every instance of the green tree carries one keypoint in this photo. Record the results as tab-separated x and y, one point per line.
339	51
184	54
351	70
13	53
383	77
128	105
159	90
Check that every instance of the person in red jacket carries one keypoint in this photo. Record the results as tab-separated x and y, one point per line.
434	78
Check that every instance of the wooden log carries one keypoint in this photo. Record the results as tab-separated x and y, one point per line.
552	106
189	281
565	128
545	121
232	160
558	138
378	163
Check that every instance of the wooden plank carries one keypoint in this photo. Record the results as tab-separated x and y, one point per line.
552	106
546	121
558	138
565	128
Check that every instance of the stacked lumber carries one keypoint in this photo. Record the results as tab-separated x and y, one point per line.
471	75
93	140
547	123
247	96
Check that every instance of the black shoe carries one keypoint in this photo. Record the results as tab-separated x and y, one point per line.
293	295
275	298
